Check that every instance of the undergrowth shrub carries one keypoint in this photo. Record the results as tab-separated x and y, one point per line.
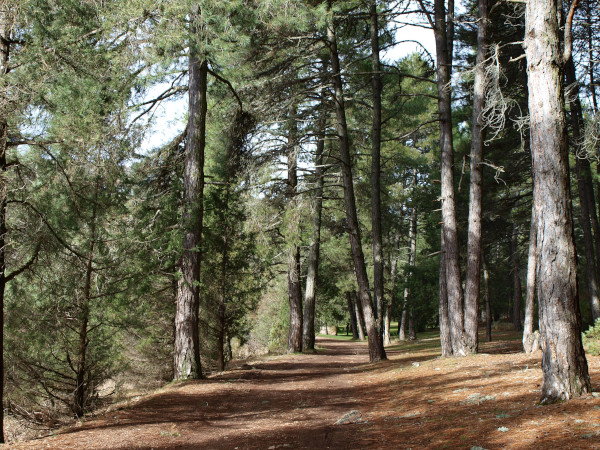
591	339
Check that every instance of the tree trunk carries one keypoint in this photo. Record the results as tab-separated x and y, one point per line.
294	288
412	259
313	255
530	343
516	270
445	339
376	350
360	321
351	313
377	86
583	191
222	309
443	33
475	191
565	371
4	67
390	303
81	387
488	307
187	346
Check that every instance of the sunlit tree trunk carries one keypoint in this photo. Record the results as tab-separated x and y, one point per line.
530	343
444	320
444	31
564	366
360	321
310	292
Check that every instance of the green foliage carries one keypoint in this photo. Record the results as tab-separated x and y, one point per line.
591	339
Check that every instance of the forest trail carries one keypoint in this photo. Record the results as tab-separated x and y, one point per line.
413	400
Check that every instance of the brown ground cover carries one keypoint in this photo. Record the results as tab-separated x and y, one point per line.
413	400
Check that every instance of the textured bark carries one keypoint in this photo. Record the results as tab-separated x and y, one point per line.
4	67
360	321
445	338
377	87
187	346
576	117
351	313
294	287
565	371
443	44
488	307
530	343
516	271
376	350
222	310
475	185
390	303
310	292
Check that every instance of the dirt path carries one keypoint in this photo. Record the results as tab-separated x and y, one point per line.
414	400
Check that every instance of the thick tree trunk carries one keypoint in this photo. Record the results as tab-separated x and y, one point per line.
516	271
576	117
187	345
445	339
294	287
315	242
360	320
351	313
530	340
475	191
377	86
565	371
443	44
376	350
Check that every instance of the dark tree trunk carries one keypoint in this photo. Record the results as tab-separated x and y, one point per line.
360	320
530	343
315	242
565	371
377	87
444	30
445	339
475	191
516	270
222	310
376	350
294	287
576	117
4	67
187	346
488	307
82	369
351	313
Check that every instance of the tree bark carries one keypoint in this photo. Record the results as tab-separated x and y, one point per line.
530	343
445	338
187	346
390	303
351	313
476	187
294	288
376	350
516	271
315	242
576	117
444	30
488	306
360	321
377	87
565	371
4	68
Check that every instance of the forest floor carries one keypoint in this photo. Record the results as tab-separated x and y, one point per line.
413	400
